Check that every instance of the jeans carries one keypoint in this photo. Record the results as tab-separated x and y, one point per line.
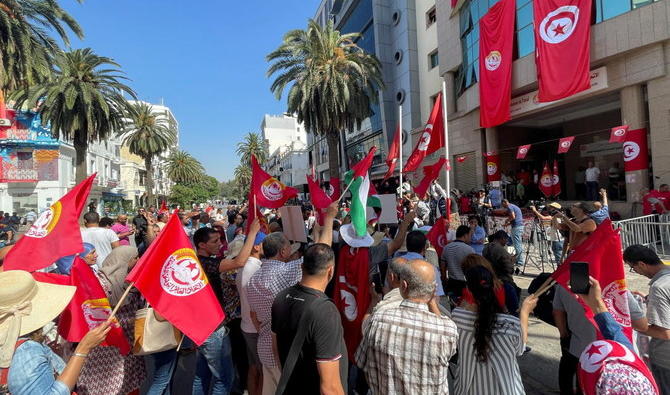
214	364
164	365
592	190
517	233
557	249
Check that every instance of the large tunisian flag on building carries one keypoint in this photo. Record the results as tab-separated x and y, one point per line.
431	139
492	166
496	40
635	151
55	234
562	30
170	278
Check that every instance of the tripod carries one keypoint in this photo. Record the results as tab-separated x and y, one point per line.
538	242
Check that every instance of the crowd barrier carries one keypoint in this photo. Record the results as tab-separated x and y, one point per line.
652	231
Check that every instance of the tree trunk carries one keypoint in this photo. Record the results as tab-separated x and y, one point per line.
80	148
333	140
149	183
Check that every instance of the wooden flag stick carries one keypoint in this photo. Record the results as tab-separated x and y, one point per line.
121	300
545	287
345	190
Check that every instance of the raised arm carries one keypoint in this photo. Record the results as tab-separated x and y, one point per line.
326	236
399	239
241	258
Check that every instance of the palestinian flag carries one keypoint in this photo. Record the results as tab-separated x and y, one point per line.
376	204
358	180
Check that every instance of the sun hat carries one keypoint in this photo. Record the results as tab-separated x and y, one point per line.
234	248
554	205
25	306
350	237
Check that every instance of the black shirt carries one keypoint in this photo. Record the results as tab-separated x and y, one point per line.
141	225
211	267
324	340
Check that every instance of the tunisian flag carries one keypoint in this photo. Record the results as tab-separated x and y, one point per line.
55	233
170	278
352	293
269	192
556	180
546	181
635	151
438	235
430	173
333	190
618	134
394	153
431	140
564	144
602	251
562	30
496	39
492	166
319	198
522	151
88	308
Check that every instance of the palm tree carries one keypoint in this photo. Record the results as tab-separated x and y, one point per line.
147	135
334	81
83	101
242	175
252	144
183	168
27	48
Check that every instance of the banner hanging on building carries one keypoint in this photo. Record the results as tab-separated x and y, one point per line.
522	151
495	63
562	53
635	151
618	134
564	144
492	166
546	181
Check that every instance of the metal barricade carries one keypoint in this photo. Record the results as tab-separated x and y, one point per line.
652	231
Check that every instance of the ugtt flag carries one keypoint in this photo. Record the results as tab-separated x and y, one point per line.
171	279
55	233
495	63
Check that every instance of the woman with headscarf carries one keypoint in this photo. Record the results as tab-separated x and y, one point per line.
109	372
88	253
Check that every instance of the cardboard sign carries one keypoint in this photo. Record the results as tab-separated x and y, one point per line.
389	212
292	223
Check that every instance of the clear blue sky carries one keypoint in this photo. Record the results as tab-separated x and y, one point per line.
205	58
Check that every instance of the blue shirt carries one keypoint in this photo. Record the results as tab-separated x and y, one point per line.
496	197
32	371
611	330
478	235
518	218
601	215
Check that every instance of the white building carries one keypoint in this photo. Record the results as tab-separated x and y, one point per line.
281	131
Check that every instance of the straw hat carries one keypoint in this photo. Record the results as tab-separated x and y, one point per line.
350	237
25	306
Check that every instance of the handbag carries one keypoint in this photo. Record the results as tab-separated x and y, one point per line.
153	335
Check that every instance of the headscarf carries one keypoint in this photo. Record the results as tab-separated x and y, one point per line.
115	269
64	264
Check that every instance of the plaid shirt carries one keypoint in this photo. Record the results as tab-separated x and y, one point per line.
272	278
406	350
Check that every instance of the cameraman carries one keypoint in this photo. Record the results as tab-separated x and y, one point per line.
552	228
581	226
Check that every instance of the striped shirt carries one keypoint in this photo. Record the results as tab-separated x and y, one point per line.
500	373
406	350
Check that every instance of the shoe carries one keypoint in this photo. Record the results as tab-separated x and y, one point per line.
517	271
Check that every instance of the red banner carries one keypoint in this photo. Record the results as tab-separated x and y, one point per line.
361	168
319	198
430	173
492	166
55	234
546	181
170	278
496	40
564	144
562	47
394	153
557	180
438	235
635	151
431	140
268	190
522	151
618	134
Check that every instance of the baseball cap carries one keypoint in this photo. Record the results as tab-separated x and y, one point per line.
260	236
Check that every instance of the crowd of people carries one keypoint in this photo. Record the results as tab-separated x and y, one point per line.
454	322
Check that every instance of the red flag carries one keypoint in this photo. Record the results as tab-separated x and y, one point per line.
394	153
319	198
618	134
55	233
430	173
170	278
496	39
88	308
438	235
431	140
602	251
564	144
461	159
492	166
522	151
546	181
361	168
562	30
557	180
352	294
268	190
164	207
333	190
635	151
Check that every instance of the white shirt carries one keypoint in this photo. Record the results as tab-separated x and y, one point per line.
102	239
592	174
242	281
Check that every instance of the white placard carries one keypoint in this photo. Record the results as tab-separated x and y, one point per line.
389	211
292	223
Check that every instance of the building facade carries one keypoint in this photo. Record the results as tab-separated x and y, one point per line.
630	84
287	143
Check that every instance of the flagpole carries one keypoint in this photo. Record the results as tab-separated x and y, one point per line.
400	145
446	137
120	302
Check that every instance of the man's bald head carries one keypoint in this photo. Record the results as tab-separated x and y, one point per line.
418	281
394	274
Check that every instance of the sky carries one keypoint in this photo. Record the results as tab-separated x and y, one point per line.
204	58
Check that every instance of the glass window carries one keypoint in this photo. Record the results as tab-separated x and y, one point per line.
524	16
433	59
525	39
431	17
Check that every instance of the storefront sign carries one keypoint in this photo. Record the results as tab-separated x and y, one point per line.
599	148
528	102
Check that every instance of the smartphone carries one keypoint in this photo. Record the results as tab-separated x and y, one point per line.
579	277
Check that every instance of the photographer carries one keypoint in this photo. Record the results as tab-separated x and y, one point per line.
581	226
551	225
482	205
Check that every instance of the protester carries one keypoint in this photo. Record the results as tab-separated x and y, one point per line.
30	217
122	230
416	243
495	197
106	222
592	176
415	328
304	313
88	254
515	220
581	226
140	224
161	220
644	261
489	341
235	221
551	227
103	239
450	262
26	306
580	182
478	234
602	208
392	297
